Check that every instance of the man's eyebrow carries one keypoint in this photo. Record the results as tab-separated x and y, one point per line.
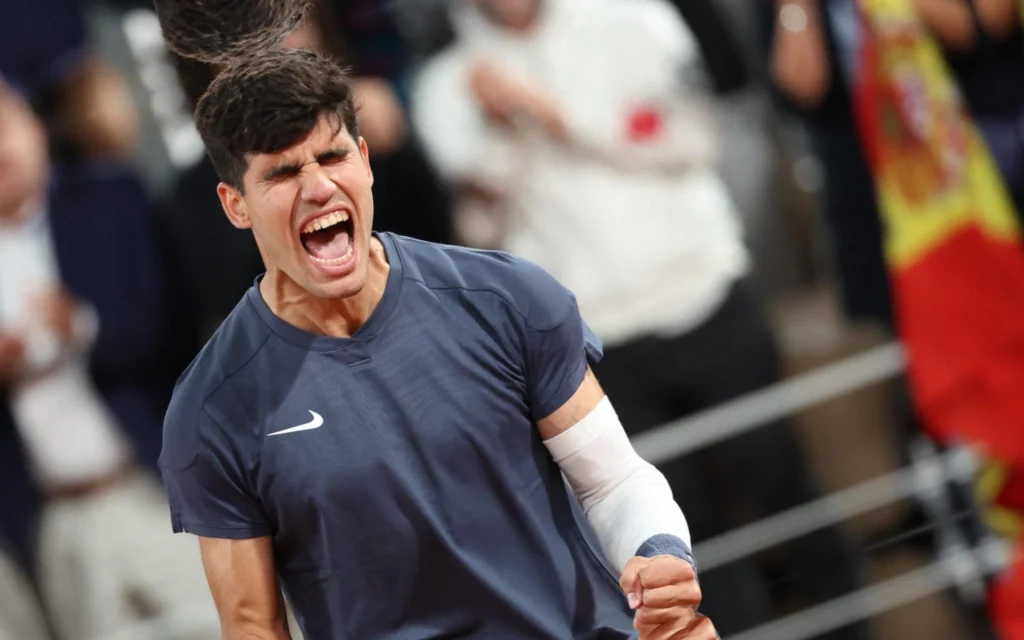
281	171
334	153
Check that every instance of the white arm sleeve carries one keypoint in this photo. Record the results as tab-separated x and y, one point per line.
627	501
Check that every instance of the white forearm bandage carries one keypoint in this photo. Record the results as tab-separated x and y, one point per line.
627	501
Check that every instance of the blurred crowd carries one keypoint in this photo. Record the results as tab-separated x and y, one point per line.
596	138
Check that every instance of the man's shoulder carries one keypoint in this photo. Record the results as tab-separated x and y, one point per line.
526	288
225	356
196	406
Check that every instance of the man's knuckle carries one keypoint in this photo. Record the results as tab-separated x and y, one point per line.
687	570
706	629
628	571
693	592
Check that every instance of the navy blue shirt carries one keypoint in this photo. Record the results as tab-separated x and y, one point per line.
400	472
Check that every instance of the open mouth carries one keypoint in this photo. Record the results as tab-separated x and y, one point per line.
329	240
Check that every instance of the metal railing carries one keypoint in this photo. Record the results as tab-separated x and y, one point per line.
756	409
958	564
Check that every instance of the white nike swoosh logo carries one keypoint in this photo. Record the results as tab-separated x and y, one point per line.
315	423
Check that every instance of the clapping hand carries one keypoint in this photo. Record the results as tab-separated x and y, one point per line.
505	98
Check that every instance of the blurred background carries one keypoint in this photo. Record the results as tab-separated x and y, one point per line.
793	223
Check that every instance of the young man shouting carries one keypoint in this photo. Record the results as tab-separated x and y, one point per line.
383	424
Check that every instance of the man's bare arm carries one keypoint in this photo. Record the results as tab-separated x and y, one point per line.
578	407
800	58
998	17
953	21
245	588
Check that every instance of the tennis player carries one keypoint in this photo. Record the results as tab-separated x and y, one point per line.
382	425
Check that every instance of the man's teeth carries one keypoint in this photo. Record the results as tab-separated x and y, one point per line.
325	222
335	261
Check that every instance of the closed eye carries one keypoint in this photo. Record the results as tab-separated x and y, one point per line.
285	171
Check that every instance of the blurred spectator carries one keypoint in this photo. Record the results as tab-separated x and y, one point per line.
849	198
218	262
88	355
721	54
44	52
808	43
588	125
990	71
425	25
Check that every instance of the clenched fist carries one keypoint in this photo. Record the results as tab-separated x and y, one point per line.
664	593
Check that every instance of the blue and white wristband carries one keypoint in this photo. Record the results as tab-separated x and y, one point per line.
665	544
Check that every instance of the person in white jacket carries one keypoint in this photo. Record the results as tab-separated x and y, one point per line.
585	128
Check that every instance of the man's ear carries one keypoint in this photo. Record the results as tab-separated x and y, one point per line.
234	206
364	151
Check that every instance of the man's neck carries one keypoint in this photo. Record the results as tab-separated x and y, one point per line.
338	318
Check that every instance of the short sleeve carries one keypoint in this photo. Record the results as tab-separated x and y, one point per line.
206	478
559	345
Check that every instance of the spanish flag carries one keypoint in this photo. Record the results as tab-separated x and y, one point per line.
952	240
1000	493
955	258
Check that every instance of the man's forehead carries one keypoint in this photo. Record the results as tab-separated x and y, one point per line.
325	136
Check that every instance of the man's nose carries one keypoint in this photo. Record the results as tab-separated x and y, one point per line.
317	187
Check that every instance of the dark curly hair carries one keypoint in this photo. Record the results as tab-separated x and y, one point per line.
269	101
221	30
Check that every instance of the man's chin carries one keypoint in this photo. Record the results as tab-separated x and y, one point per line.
333	286
339	290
